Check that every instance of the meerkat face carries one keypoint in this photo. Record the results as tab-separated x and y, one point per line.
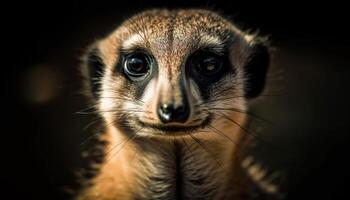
174	72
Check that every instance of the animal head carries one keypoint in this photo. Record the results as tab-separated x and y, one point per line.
174	72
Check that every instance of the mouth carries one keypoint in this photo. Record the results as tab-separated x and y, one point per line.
163	129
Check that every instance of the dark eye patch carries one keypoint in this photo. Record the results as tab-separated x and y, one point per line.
207	67
143	69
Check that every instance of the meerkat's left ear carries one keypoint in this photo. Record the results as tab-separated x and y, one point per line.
255	67
93	68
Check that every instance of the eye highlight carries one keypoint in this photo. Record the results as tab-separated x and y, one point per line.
209	66
137	65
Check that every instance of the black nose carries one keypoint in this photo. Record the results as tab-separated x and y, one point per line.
168	113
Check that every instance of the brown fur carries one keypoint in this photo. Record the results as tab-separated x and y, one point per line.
147	165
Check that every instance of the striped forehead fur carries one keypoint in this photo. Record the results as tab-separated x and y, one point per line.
200	26
215	43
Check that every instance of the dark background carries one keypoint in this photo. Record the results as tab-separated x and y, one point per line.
309	80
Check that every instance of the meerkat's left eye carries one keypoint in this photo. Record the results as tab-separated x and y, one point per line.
207	64
137	65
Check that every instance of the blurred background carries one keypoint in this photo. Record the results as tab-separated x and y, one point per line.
308	87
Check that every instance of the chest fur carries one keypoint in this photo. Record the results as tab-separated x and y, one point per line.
173	170
184	171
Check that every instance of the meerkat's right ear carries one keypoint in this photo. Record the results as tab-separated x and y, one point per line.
94	68
256	67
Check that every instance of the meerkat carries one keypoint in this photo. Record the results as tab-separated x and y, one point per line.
172	88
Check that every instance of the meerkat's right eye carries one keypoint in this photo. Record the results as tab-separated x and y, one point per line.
137	65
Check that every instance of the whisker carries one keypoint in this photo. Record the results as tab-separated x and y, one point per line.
219	99
86	109
187	147
245	130
234	97
206	149
217	131
125	141
250	132
124	99
126	110
95	120
126	114
249	114
82	144
118	118
113	110
116	145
